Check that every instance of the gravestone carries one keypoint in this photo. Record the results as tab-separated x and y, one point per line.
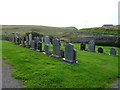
83	46
13	37
40	46
27	42
70	56
47	49
32	45
113	51
100	50
16	36
62	53
56	47
30	37
91	46
47	40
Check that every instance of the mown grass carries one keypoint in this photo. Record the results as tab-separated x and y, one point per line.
109	30
37	70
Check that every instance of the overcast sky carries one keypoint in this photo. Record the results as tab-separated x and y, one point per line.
60	13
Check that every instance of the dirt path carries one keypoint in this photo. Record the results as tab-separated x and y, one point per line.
7	80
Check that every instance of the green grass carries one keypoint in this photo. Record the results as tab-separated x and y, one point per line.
109	30
37	70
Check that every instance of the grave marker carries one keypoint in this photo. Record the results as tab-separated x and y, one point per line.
113	51
91	46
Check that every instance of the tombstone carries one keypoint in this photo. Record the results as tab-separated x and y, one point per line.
100	50
70	54
40	46
32	45
47	49
83	46
36	40
16	36
47	40
30	37
18	40
13	37
27	42
91	46
56	47
62	53
113	51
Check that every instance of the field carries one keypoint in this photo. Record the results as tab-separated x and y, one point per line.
109	30
37	70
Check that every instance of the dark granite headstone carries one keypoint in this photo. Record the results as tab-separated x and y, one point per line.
100	50
83	46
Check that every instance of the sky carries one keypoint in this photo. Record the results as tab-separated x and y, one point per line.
59	13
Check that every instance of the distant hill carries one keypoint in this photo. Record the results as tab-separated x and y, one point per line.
109	30
45	30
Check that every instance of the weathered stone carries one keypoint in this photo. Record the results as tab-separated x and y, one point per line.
91	46
47	40
113	51
47	49
70	53
56	47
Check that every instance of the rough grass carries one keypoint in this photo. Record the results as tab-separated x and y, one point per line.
109	30
45	30
37	70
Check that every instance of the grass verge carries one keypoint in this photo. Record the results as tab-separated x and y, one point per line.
37	70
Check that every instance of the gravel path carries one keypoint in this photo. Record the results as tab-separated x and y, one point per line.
7	80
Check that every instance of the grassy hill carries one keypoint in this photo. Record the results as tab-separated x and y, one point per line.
37	70
109	30
45	30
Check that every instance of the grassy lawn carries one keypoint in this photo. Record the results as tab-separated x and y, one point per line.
37	70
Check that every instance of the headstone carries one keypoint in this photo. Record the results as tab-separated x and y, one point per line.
100	50
32	45
70	53
27	42
47	40
16	36
56	47
83	46
13	37
40	46
62	53
47	49
91	46
30	37
113	51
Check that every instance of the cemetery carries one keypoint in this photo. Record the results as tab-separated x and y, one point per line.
45	62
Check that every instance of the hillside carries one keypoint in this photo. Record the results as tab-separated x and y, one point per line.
45	30
109	30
